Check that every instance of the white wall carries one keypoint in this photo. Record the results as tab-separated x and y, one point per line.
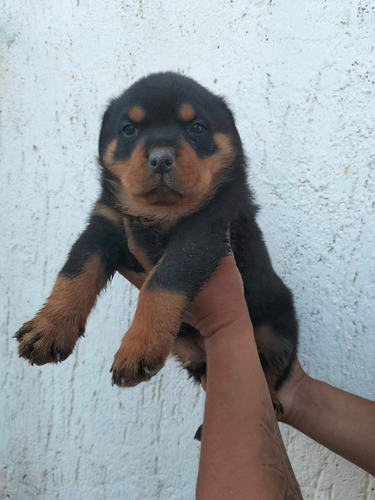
299	76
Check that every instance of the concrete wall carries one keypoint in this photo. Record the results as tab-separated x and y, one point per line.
299	76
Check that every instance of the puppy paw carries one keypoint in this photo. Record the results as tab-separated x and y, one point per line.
198	434
138	359
46	339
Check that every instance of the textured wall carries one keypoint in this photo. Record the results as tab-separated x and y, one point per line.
300	78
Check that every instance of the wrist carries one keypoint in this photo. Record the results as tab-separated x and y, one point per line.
226	318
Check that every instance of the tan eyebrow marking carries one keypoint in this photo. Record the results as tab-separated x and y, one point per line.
136	114
186	112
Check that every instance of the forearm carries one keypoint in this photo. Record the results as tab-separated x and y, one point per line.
338	420
242	454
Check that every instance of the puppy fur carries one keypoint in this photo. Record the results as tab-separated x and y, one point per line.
172	165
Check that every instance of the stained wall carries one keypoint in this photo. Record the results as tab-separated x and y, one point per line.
300	78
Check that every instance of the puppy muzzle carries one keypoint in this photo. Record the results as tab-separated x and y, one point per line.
161	161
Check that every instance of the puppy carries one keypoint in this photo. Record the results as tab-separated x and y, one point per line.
172	165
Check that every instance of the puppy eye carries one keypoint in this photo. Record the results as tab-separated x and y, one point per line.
129	129
197	128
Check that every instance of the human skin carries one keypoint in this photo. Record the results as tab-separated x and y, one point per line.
338	420
242	452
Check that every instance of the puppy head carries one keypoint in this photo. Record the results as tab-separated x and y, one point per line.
167	143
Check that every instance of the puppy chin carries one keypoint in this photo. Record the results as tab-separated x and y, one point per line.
163	195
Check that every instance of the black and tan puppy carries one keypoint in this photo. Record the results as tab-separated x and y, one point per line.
173	166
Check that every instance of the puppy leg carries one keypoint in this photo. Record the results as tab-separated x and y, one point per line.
173	283
189	349
51	336
150	338
276	354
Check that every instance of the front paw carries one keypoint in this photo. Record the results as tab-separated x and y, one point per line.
138	360
47	339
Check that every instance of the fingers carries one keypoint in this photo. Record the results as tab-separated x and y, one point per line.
294	385
136	279
138	253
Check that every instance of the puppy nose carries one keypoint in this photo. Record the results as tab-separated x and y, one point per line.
161	161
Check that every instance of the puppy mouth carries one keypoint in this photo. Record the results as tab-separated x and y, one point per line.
163	195
161	191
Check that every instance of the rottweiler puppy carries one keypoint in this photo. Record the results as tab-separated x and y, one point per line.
172	165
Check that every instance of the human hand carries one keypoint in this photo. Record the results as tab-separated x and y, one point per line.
290	390
220	301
